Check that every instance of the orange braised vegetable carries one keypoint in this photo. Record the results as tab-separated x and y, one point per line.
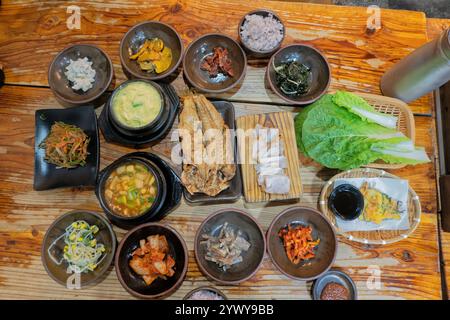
152	259
298	243
65	146
130	190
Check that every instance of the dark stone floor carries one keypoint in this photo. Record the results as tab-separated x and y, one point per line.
432	8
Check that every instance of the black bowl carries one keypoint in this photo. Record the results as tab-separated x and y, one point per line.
205	288
61	87
335	276
353	200
136	36
256	53
58	272
325	253
131	281
129	222
154	126
204	46
310	57
252	259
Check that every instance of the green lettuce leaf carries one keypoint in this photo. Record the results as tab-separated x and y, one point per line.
340	139
360	107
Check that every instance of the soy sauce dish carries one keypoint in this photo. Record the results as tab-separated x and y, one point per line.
346	202
131	191
138	108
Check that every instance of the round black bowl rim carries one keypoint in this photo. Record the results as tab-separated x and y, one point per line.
205	288
198	234
340	274
102	180
238	80
277	265
183	272
258	12
109	259
165	73
353	190
286	98
83	101
123	85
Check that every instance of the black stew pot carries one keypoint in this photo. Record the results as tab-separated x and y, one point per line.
149	214
148	129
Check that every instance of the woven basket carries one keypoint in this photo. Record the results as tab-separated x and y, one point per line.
372	237
405	123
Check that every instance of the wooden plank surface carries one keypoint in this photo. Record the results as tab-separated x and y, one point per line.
31	34
409	269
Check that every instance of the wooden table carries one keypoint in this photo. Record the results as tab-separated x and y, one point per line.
32	33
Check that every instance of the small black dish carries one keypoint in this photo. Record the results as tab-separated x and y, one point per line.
46	175
159	288
58	272
131	139
234	191
346	202
169	193
338	277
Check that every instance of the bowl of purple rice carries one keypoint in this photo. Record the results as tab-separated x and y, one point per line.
261	33
205	293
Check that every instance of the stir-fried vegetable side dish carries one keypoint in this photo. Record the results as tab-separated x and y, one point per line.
293	78
298	243
82	252
153	56
65	146
152	259
130	190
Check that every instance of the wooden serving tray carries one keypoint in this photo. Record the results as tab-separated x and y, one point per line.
378	236
285	123
405	123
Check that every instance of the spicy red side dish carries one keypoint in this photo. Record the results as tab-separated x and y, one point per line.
298	243
218	62
151	260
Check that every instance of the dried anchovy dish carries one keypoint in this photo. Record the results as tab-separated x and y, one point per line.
226	249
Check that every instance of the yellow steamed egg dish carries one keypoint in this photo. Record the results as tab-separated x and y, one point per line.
137	104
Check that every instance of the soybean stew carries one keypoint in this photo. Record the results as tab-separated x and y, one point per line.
130	189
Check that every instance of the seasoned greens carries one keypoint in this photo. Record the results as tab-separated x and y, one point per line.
293	78
342	139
